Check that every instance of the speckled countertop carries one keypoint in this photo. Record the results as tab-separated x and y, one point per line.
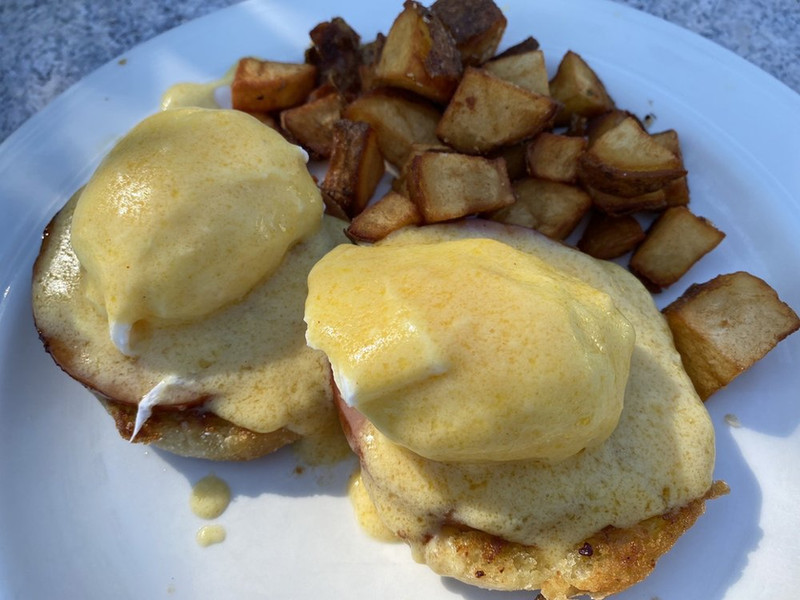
47	45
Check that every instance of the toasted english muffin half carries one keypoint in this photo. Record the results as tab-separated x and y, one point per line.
594	523
249	384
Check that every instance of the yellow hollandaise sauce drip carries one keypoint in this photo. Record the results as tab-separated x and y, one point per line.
201	95
187	213
470	350
208	535
365	510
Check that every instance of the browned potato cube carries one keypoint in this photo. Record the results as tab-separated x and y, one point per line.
399	121
355	168
724	326
609	237
399	182
617	206
370	55
487	112
477	27
265	85
446	185
599	124
420	55
578	88
526	69
677	191
336	53
669	140
676	241
311	124
555	157
626	161
392	212
550	207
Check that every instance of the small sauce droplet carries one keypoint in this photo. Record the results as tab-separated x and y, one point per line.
209	535
210	497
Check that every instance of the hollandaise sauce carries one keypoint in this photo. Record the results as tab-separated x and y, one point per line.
187	213
471	350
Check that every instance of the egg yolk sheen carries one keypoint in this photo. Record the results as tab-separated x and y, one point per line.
470	350
187	213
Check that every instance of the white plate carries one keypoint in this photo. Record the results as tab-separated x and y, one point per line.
85	515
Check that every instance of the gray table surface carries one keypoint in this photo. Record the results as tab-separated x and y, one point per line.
48	45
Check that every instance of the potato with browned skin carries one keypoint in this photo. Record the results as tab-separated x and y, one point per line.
419	55
477	26
626	161
724	326
266	85
391	212
675	242
399	120
355	168
487	113
448	185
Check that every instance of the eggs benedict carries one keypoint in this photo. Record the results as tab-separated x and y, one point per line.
536	422
173	285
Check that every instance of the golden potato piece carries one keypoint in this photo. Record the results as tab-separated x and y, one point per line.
550	207
578	88
477	27
677	191
420	55
608	237
266	85
675	242
392	212
554	157
399	182
626	161
400	121
311	124
617	206
599	124
487	112
526	69
355	168
446	185
724	326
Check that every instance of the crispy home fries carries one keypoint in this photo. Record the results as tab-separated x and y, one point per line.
465	296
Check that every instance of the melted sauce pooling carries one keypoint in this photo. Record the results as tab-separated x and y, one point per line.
366	515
